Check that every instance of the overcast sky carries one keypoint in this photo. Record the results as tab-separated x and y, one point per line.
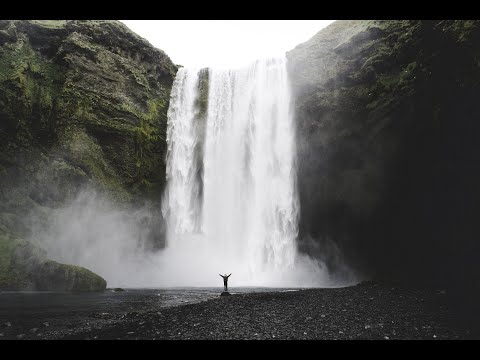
224	43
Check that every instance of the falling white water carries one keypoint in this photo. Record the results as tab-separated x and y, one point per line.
181	200
240	213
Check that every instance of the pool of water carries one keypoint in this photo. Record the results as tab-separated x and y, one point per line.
21	304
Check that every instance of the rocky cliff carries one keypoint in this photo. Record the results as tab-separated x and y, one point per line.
387	127
387	136
82	104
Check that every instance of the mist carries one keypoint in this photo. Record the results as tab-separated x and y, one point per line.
230	205
93	232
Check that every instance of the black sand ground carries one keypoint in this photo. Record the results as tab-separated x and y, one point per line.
365	311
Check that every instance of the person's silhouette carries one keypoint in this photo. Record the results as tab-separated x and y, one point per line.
225	281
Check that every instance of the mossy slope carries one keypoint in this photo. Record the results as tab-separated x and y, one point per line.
82	103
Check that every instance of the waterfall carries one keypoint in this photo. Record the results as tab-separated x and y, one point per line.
231	202
181	199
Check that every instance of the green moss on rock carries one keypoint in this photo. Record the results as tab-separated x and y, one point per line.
53	276
83	151
82	103
7	246
96	80
24	266
50	24
201	103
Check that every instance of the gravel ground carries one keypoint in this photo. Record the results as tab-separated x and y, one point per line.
365	311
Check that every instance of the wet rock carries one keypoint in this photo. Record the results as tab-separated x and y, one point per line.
102	315
286	316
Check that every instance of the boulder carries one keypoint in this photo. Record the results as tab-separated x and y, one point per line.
25	266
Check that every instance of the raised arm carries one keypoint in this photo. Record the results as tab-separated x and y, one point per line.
229	275
221	275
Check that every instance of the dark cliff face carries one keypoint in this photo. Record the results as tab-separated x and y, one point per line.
83	104
91	95
387	127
